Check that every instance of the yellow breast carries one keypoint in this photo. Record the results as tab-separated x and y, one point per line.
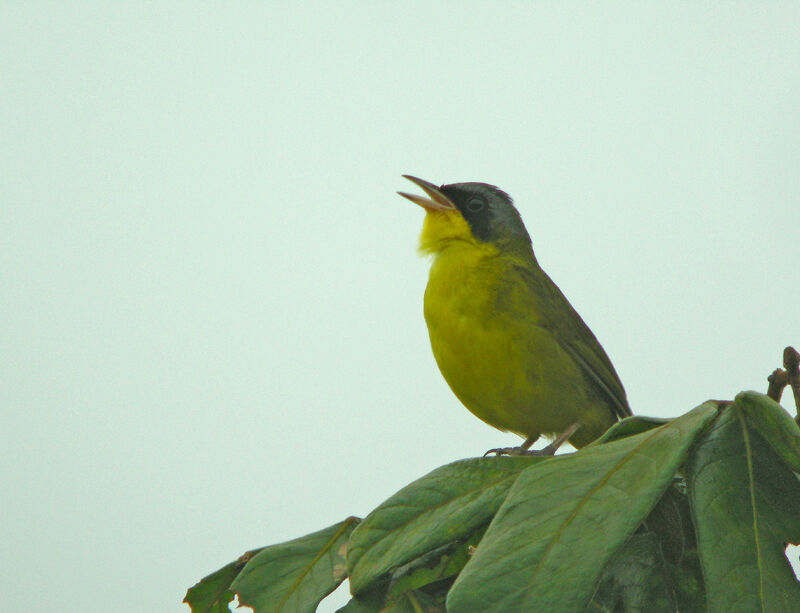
485	334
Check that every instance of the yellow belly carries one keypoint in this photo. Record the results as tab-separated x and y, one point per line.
504	366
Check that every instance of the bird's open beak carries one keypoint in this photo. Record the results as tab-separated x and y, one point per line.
436	200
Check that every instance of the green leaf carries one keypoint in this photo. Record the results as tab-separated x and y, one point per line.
421	574
442	507
636	579
212	593
658	568
671	522
563	519
746	505
408	603
774	424
425	579
434	567
293	577
628	426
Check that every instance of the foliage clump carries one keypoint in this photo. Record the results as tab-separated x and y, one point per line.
689	514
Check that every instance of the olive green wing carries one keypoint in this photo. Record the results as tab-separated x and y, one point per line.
595	363
556	314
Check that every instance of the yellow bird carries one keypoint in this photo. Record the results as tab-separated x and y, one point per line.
506	340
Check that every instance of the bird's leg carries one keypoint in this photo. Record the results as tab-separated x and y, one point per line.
559	440
524	449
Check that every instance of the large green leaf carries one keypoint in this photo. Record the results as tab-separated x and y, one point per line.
774	424
563	519
746	506
293	577
444	506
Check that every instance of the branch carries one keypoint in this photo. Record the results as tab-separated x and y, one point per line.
777	381
791	362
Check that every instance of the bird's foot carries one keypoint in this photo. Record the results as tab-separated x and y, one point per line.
543	452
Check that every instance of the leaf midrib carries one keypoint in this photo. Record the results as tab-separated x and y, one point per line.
753	508
584	500
315	559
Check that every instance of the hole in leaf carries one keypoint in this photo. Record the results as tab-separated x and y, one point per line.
336	599
792	553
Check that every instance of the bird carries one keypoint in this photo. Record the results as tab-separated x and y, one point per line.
507	341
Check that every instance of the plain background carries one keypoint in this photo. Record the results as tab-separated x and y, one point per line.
212	335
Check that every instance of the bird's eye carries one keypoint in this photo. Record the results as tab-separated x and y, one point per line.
475	204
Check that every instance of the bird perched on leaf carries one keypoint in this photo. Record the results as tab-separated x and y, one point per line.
506	340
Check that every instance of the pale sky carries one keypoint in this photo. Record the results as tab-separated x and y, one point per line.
212	331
